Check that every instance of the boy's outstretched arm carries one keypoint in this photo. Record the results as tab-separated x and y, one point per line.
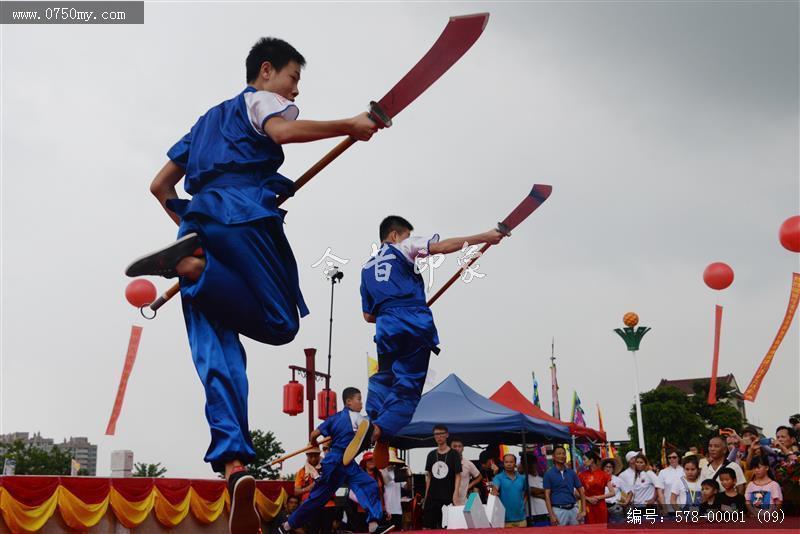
163	187
454	244
283	131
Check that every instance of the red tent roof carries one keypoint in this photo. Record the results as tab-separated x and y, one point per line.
510	397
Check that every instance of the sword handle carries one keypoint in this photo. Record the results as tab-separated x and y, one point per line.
379	116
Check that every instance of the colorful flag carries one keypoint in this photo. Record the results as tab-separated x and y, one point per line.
372	366
535	391
600	419
755	383
577	411
75	467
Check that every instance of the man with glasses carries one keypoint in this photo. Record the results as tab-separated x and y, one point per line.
669	475
442	478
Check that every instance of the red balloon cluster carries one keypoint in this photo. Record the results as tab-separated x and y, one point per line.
140	293
718	275
789	234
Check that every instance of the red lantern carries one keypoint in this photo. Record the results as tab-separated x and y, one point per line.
326	403
140	292
293	398
790	234
718	276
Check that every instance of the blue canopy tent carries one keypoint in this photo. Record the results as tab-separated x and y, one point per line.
474	418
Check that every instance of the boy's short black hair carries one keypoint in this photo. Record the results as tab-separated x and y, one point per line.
440	427
711	483
290	497
727	471
456	438
392	223
559	447
277	51
349	393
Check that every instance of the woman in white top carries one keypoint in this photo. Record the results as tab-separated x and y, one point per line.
645	483
616	511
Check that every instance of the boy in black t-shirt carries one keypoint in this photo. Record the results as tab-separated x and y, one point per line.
442	477
728	496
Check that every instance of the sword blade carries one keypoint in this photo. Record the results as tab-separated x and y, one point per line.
458	36
535	198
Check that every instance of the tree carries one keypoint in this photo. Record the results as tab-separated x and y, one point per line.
36	461
683	420
666	413
267	448
142	469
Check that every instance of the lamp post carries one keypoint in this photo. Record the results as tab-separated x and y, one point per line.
633	337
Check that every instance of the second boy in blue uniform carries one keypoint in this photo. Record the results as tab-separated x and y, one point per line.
393	297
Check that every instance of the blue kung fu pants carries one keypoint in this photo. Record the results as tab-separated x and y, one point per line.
250	287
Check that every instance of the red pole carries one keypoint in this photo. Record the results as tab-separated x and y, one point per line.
712	387
311	390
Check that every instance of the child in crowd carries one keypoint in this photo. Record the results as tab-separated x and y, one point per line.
710	489
762	493
728	498
686	493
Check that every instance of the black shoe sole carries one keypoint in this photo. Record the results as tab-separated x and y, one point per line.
162	262
244	518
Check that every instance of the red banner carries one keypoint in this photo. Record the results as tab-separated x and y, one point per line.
712	389
133	348
752	389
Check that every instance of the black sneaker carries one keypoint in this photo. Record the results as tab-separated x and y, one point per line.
162	262
360	442
244	518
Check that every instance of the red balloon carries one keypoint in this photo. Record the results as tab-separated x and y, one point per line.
718	275
790	234
140	293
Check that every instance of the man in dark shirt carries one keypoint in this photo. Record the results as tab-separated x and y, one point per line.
442	478
560	485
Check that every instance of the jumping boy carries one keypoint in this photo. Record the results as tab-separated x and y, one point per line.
341	428
393	297
237	271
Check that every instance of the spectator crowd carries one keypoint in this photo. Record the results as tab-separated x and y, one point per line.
738	471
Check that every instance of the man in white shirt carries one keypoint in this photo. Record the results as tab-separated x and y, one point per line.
717	452
538	506
470	476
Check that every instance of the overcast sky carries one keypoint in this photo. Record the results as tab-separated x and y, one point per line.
669	132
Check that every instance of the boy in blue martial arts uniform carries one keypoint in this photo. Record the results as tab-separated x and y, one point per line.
393	297
341	428
237	271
